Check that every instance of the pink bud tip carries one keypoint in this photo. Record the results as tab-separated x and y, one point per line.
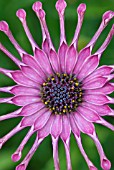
81	9
93	168
60	6
4	26
21	167
16	157
21	14
107	16
36	6
106	165
41	13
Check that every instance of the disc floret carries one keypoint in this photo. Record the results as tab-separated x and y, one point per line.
62	93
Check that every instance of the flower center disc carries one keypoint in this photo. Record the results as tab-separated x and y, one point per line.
61	93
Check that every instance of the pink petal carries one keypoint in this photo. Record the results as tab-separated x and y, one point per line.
21	90
83	124
54	61
89	163
56	126
25	162
60	7
31	108
83	54
21	14
10	134
41	15
23	100
30	120
106	124
105	163
43	61
66	129
21	167
45	45
101	71
11	115
6	100
21	79
6	89
5	28
89	66
81	11
55	153
106	41
32	74
97	99
62	53
45	131
12	57
65	136
101	110
70	59
95	83
88	114
106	89
30	61
17	155
73	125
42	120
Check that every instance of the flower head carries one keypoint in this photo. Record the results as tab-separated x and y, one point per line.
59	92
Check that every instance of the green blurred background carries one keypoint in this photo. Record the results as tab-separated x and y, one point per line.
42	159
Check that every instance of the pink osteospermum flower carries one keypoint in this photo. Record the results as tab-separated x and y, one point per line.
59	92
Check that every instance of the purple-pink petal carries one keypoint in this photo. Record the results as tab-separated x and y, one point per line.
45	131
95	83
43	61
23	90
21	79
30	120
101	71
56	127
30	61
70	59
88	114
73	125
106	89
23	100
62	53
31	108
32	74
54	60
88	67
83	54
83	124
42	120
97	99
102	111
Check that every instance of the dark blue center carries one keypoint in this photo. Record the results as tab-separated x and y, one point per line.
61	93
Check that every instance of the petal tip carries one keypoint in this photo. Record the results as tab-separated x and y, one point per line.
81	8
107	16
21	14
106	165
21	167
41	13
37	6
16	157
60	6
4	26
93	168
